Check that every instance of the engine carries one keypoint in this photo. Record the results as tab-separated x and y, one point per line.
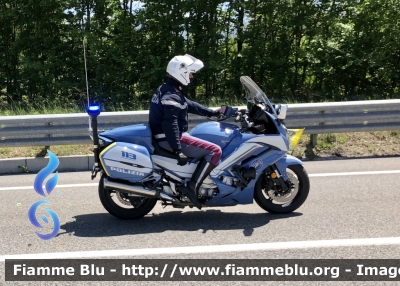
207	193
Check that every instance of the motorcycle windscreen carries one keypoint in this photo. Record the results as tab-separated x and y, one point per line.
254	93
126	161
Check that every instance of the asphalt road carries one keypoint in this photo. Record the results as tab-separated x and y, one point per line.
342	205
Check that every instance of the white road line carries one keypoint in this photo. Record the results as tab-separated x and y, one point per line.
355	173
211	248
310	175
58	186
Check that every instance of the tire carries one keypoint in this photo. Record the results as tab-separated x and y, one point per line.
145	205
267	203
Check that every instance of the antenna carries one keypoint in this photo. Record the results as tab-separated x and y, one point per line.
84	41
87	82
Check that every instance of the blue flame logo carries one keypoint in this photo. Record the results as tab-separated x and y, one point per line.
41	176
50	185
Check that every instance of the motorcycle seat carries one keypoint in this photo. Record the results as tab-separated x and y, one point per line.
162	152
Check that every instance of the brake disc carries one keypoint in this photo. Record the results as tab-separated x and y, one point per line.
285	197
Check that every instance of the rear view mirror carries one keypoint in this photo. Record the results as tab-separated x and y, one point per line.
281	111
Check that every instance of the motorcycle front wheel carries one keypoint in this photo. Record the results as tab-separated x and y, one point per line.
274	200
123	206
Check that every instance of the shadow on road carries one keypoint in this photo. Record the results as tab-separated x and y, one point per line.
105	225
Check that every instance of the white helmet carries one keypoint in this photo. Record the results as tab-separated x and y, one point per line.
180	67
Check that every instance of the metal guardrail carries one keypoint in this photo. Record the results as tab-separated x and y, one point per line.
316	118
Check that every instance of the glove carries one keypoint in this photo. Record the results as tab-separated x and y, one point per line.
216	113
230	111
182	159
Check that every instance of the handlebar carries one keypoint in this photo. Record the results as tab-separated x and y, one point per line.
243	117
226	112
239	115
221	117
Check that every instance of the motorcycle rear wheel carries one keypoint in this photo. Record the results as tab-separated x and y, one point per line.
289	202
123	206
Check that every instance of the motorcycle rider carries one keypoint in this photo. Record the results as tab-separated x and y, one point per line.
168	120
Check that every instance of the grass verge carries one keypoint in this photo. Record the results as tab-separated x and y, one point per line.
349	145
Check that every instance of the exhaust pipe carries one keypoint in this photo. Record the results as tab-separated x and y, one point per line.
136	190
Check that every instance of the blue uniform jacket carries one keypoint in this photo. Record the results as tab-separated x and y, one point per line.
168	115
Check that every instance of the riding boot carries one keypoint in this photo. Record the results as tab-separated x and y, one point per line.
191	195
203	169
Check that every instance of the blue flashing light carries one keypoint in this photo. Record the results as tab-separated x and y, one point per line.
93	109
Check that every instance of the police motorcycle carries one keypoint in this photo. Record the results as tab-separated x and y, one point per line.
136	173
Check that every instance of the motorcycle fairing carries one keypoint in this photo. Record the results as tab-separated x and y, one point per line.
229	195
172	167
245	150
